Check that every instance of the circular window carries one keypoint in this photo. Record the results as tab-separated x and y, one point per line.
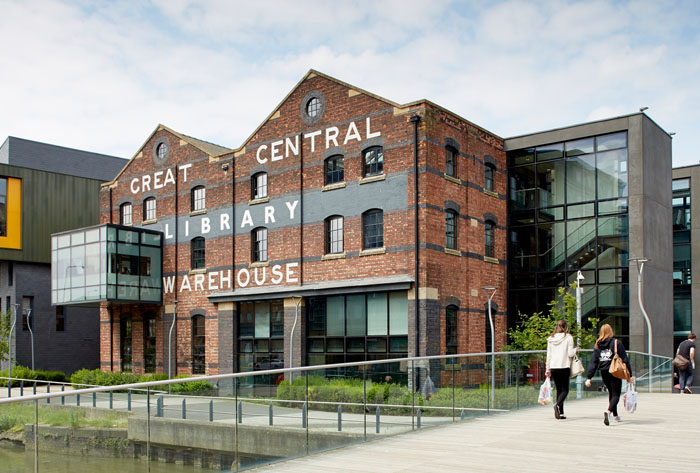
313	107
162	151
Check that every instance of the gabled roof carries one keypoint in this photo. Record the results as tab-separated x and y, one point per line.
58	159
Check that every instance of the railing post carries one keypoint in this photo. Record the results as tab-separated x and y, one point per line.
111	399
211	410
270	413
340	417
303	416
184	408
21	387
63	398
461	415
159	406
128	400
94	399
48	390
377	420
77	400
418	419
239	413
34	388
148	427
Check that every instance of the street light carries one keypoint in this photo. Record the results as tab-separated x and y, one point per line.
493	343
31	332
12	329
640	268
291	336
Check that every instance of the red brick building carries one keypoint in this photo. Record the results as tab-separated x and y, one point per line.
303	240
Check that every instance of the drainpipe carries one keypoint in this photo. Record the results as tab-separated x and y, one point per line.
111	338
177	237
415	119
12	329
301	209
170	344
291	336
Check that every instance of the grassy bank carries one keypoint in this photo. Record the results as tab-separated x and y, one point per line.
13	417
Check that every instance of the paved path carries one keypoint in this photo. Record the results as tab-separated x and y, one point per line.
531	440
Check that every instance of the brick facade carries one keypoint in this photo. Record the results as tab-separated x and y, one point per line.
287	149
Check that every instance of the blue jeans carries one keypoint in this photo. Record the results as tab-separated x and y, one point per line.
686	377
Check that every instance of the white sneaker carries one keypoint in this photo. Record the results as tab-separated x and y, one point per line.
617	419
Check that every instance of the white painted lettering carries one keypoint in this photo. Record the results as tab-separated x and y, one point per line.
290	276
169	178
185	284
206	226
168	235
352	134
274	150
313	136
269	214
223	223
370	134
134	190
157	184
332	136
199	282
291	206
184	169
288	146
213	286
243	272
225	278
247	219
260	281
257	154
168	284
146	183
277	275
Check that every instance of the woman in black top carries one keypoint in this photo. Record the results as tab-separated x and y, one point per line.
687	350
603	354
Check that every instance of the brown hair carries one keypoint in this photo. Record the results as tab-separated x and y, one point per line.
606	332
562	327
691	336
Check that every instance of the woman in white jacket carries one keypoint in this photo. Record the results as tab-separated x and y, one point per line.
560	349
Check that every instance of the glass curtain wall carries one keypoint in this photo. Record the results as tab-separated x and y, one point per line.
682	302
567	212
261	336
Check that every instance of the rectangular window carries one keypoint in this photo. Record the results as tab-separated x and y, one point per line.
8	303
356	316
60	319
260	185
334	235
125	214
149	344
198	198
260	244
10	273
489	177
150	209
261	338
335	316
451	161
373	229
335	170
198	253
373	162
377	313
451	230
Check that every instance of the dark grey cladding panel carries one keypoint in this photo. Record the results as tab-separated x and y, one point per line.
351	201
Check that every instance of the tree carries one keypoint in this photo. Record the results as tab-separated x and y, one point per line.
533	330
5	324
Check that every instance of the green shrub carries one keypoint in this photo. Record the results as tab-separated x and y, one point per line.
22	372
191	387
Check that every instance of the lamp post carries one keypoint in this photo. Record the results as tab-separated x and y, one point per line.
9	369
493	343
291	336
31	332
640	268
579	378
170	343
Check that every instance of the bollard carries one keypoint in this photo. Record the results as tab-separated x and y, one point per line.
34	388
111	399
340	417
418	418
211	410
159	406
461	415
128	400
377	423
303	416
239	412
94	399
270	412
63	398
48	390
77	400
21	387
184	409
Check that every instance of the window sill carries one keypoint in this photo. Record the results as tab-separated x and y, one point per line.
488	259
259	264
332	256
149	222
452	179
491	193
373	251
450	251
261	200
367	180
198	212
331	187
198	271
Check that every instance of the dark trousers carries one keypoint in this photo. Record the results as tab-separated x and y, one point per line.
614	386
686	377
561	382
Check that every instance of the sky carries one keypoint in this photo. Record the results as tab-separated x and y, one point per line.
100	76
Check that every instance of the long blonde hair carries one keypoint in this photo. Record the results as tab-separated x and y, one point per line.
606	332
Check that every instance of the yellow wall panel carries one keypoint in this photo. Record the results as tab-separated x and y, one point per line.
13	240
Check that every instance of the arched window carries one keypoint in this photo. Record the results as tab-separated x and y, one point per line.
125	212
451	229
149	343
489	239
149	208
373	159
198	198
451	161
259	185
373	229
451	339
125	342
489	175
198	256
334	169
258	239
334	234
199	339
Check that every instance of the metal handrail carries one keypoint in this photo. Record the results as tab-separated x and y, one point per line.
165	382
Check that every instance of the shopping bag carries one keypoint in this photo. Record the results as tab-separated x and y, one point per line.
629	400
545	393
576	367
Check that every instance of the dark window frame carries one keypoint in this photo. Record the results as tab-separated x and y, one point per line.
258	240
451	154
489	239
451	226
198	198
199	344
334	169
489	177
149	341
373	229
334	235
451	329
258	188
373	161
126	342
126	213
149	209
198	253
